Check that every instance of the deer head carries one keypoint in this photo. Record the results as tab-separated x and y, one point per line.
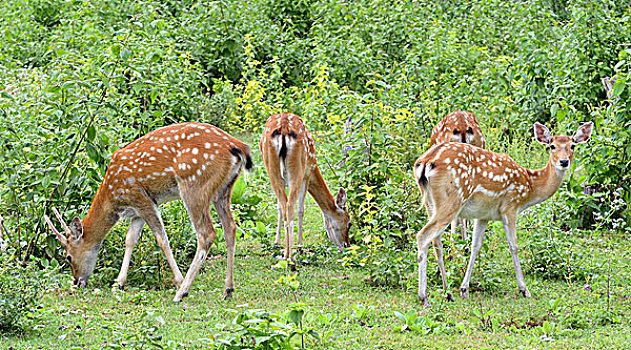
79	256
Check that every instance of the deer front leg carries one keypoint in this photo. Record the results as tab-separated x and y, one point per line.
476	244
510	228
133	233
154	221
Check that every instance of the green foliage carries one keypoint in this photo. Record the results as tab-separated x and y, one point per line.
20	288
370	78
261	329
556	258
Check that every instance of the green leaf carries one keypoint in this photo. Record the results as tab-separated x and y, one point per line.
91	133
295	316
116	49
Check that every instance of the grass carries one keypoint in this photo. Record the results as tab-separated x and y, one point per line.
341	304
357	315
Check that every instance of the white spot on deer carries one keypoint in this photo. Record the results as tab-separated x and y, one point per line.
447	160
199	172
194	160
205	155
207	145
212	156
195	151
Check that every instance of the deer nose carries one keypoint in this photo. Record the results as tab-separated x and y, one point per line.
564	162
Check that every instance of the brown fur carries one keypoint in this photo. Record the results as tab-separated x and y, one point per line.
289	156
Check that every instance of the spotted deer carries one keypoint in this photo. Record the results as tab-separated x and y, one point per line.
461	180
195	162
289	156
458	126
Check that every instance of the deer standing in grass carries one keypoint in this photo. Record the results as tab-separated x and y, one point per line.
195	162
458	126
461	180
289	156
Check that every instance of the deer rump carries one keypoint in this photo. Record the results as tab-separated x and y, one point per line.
283	141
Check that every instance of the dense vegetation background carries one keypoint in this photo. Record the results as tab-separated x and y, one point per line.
80	79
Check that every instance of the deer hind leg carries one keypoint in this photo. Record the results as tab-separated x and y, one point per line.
510	228
133	233
151	215
301	207
296	181
425	237
279	229
438	252
476	244
278	186
222	206
199	212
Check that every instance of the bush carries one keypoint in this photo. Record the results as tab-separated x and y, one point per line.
19	291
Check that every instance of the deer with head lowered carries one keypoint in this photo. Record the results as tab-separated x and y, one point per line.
461	180
195	162
289	156
458	126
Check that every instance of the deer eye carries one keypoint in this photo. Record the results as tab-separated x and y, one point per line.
572	147
552	147
69	259
456	132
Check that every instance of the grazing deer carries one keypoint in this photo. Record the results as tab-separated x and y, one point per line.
458	126
289	156
196	162
461	180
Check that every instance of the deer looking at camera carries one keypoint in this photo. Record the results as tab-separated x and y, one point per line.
195	162
458	126
289	156
461	180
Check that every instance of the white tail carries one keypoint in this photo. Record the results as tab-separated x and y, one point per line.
289	156
196	162
460	180
458	126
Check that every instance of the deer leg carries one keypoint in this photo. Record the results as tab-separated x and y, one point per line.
429	233
476	244
200	217
301	207
279	229
222	205
463	229
154	221
133	233
510	228
278	186
438	252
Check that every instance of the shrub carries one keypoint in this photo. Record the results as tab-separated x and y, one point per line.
19	291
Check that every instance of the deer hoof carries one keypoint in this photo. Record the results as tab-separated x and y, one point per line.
525	293
464	293
450	297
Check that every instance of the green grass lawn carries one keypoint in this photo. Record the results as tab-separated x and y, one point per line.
341	306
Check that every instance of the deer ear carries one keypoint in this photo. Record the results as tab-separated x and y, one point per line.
341	198
542	134
76	228
584	133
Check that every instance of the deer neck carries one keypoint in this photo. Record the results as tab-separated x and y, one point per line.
320	192
545	182
99	220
